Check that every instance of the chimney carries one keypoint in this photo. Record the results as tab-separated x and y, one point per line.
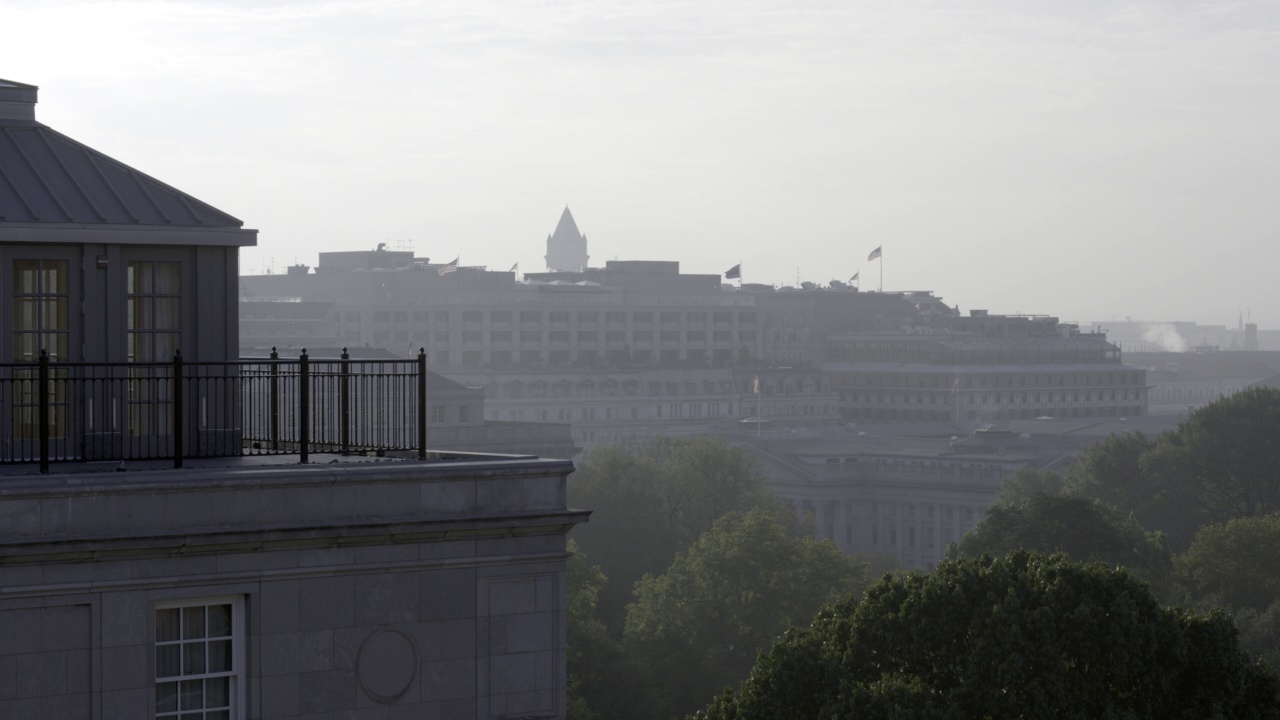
17	101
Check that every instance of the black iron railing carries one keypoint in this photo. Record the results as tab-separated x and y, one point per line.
56	411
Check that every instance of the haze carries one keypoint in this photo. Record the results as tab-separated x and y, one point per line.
1087	160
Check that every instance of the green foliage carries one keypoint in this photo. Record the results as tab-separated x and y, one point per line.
1086	530
1026	484
700	625
652	500
1030	636
1235	565
603	681
1222	462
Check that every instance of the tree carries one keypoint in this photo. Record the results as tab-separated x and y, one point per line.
1026	484
1222	462
1111	471
1227	453
1029	636
1235	565
1086	530
603	681
652	500
700	625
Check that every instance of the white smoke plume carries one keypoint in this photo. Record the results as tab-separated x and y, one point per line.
1166	336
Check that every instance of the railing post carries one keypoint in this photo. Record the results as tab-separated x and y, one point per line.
178	411
422	403
304	407
344	397
275	400
42	394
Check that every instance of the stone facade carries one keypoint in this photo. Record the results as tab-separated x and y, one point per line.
390	589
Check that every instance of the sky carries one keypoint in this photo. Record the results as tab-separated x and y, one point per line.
1085	159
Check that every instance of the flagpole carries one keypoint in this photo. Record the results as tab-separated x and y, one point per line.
881	258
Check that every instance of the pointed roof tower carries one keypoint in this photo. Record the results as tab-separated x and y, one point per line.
566	246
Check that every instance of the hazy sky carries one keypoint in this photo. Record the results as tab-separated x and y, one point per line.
1079	158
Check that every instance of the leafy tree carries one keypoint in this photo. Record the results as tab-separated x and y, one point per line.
1029	636
1235	565
603	681
1086	530
700	625
1222	462
653	499
1227	453
1111	471
1026	484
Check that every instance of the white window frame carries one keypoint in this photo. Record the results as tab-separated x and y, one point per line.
238	682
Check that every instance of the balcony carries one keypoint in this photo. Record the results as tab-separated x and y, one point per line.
80	412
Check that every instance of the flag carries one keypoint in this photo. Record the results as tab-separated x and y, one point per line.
734	273
448	267
855	276
756	386
515	268
874	254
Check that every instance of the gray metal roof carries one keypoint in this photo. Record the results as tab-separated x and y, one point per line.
46	177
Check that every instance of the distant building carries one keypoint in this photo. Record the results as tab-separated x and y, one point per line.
982	369
566	246
904	492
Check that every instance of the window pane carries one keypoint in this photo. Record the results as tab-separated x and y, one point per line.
191	696
167	279
166	344
217	692
219	656
140	278
219	621
193	658
167	661
167	625
55	277
24	314
192	622
218	715
166	314
166	697
24	276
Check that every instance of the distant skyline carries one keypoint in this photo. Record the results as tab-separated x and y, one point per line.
1086	160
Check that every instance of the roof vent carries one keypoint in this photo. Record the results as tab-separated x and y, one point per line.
17	101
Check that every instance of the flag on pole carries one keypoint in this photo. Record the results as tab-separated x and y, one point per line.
855	276
756	386
874	254
515	268
734	273
448	267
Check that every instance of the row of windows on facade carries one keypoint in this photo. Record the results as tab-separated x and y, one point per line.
527	317
973	350
631	388
975	398
661	410
475	358
539	337
1018	379
880	414
439	414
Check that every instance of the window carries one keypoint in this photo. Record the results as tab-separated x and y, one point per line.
199	667
154	294
40	322
437	413
464	413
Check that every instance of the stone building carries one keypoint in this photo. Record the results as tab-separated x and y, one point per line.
184	534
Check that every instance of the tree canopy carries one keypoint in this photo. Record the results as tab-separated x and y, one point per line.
653	499
1029	636
700	625
1222	462
1084	529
